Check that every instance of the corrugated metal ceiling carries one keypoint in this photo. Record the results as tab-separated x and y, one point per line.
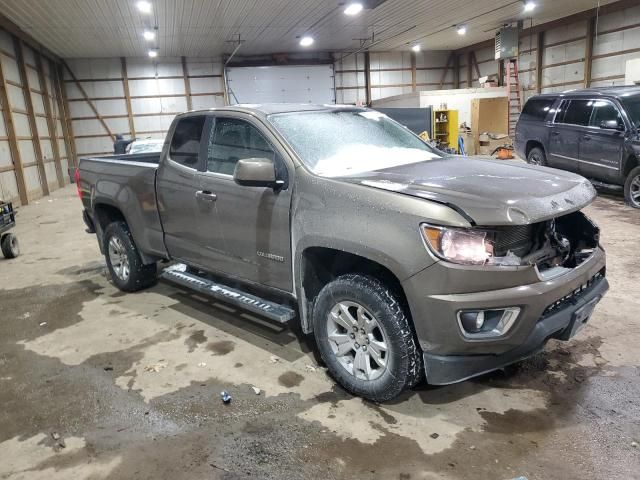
107	28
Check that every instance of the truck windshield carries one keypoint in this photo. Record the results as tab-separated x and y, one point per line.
349	142
632	106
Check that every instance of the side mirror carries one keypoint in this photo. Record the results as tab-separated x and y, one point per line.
255	172
612	125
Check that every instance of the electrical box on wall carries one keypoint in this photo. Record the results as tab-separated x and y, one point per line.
507	43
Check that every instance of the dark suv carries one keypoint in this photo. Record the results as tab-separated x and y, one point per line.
594	132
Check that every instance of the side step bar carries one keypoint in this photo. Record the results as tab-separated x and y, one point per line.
178	274
609	186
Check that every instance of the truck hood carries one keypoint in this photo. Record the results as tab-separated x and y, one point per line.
487	192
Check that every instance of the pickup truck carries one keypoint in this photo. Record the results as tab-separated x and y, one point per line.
402	261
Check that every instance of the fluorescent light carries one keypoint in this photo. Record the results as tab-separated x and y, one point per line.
461	30
529	6
353	9
416	48
153	53
306	41
149	35
144	6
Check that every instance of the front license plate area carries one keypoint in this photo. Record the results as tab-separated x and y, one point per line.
582	316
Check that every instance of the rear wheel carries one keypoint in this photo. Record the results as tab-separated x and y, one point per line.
128	272
537	157
10	245
364	337
632	188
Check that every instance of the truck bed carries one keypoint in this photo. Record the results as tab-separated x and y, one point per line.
127	182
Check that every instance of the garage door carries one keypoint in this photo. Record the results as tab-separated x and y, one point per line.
291	84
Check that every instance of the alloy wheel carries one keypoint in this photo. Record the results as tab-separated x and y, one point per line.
357	340
119	259
634	191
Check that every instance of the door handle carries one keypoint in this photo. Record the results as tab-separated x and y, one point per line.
206	196
587	137
555	133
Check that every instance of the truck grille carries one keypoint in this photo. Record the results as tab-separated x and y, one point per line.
572	297
517	239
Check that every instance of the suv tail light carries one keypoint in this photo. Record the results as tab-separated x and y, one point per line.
77	178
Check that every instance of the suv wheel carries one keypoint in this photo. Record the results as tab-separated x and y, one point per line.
537	157
632	188
128	272
364	337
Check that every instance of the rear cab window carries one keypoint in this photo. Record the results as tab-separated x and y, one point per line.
536	109
185	143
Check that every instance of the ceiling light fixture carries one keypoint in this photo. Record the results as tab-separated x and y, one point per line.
149	35
461	30
353	9
144	6
529	6
416	48
153	53
306	41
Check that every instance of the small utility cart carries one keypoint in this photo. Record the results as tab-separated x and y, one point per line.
8	240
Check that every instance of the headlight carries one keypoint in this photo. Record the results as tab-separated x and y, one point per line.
458	245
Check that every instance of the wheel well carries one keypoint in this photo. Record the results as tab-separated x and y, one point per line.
630	164
531	144
106	214
322	265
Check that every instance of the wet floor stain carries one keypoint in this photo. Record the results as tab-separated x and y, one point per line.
196	338
222	347
290	379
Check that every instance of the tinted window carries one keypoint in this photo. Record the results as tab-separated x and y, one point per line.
560	111
537	108
185	144
605	112
578	112
232	140
632	106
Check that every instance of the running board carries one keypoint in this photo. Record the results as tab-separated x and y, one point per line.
178	274
609	186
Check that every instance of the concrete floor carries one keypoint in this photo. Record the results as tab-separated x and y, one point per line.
98	384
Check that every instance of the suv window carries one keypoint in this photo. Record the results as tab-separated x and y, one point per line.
537	108
578	112
231	140
605	111
185	144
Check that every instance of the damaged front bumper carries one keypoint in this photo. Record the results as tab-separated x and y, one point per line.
549	308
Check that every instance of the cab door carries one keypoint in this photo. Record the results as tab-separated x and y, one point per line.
569	125
244	231
601	146
177	185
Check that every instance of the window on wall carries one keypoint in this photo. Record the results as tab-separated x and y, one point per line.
231	140
185	144
578	112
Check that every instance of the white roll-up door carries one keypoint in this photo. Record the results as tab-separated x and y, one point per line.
282	84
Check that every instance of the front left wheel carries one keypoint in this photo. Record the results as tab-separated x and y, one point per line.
128	272
632	188
364	337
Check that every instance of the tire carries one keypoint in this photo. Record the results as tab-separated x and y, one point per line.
357	300
537	156
632	188
10	246
128	273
